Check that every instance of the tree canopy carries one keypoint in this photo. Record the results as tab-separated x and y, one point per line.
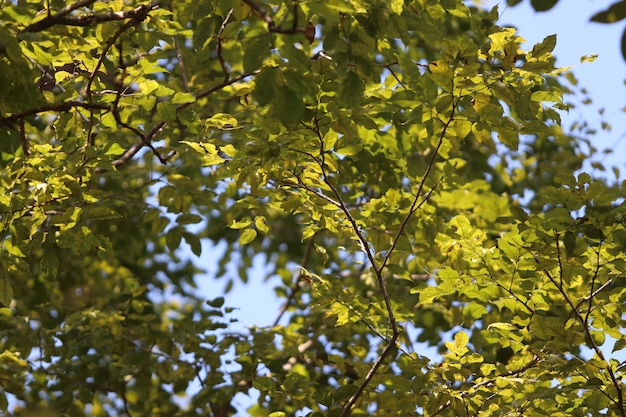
400	165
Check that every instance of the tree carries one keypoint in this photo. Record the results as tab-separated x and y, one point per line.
399	164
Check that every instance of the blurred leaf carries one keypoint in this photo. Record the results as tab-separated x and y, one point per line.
543	5
613	14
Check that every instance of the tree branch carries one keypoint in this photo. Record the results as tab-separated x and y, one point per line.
147	138
94	72
414	205
617	384
55	107
61	18
295	286
218	48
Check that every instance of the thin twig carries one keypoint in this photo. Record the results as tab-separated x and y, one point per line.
147	138
366	248
218	48
594	293
378	269
593	283
619	402
414	204
370	374
181	64
295	286
94	72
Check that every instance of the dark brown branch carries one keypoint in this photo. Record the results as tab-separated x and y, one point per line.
55	107
138	14
23	138
367	249
378	269
370	374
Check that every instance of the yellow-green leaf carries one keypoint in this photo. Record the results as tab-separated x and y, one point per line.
247	236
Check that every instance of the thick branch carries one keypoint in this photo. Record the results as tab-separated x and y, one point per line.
61	18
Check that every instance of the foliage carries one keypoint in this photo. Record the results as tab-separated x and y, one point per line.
400	165
614	13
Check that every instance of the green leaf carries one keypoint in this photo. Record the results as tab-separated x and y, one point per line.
208	150
545	47
264	383
474	310
193	240
182	98
266	84
462	128
481	132
289	107
173	238
569	240
396	6
216	302
187	218
247	236
549	96
613	14
12	249
203	32
352	88
6	292
221	121
260	222
166	111
115	149
241	9
258	49
441	74
99	213
240	224
619	345
543	5
49	265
